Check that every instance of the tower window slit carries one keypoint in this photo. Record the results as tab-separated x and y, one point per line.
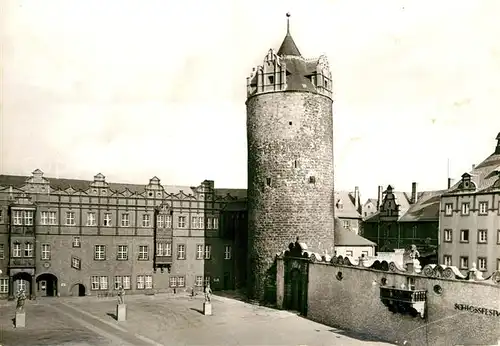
271	79
295	164
268	181
312	180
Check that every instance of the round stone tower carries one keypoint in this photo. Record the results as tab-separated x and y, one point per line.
290	161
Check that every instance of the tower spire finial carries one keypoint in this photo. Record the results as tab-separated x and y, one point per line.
288	23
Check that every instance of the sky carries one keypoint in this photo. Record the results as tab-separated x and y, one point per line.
136	89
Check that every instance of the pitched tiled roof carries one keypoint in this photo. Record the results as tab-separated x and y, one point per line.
373	201
83	185
485	174
348	206
426	208
344	237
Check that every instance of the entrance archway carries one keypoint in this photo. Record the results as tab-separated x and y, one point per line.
46	285
78	290
22	281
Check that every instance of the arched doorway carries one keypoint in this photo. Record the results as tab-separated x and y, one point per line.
22	281
46	285
78	290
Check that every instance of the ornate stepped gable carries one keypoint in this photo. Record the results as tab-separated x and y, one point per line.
39	184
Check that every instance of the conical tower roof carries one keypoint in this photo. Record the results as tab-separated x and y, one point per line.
288	47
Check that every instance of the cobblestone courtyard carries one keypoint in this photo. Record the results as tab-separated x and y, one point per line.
164	320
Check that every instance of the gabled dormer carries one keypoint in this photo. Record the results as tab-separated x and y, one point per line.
37	183
389	207
154	188
99	186
466	184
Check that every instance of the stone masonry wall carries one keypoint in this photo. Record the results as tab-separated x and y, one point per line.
353	303
290	139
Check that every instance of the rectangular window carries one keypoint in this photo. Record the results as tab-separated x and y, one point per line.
181	251
28	218
448	235
200	222
181	282
122	253
159	221
18	217
207	280
125	220
194	222
76	262
91	220
464	262
52	218
364	253
143	253
182	221
107	220
498	264
146	220
482	236
118	282
45	252
126	282
448	209
16	250
465	208
498	236
208	251
4	285
148	282
173	281
28	249
103	282
227	252
160	249
447	260
483	208
464	236
209	222
76	242
199	251
70	218
481	263
1	215
345	224
2	251
168	221
198	281
94	282
44	218
140	282
99	252
216	222
348	253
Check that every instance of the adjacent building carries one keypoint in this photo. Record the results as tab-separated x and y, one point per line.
74	237
405	219
348	210
370	207
470	218
348	243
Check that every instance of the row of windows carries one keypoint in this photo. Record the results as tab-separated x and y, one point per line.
463	263
162	249
25	217
483	208
482	236
142	282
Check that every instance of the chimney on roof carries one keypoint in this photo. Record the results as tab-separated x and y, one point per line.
414	193
497	149
449	183
356	197
379	197
473	166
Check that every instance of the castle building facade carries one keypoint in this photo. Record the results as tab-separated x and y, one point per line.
404	219
63	237
469	219
290	160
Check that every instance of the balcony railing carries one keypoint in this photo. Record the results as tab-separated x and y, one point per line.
22	230
163	259
411	302
19	262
